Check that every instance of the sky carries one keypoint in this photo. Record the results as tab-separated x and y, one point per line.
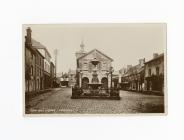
125	43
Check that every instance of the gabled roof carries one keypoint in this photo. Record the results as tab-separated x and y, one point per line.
38	45
93	51
159	56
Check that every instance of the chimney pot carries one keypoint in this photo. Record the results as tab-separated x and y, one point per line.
28	37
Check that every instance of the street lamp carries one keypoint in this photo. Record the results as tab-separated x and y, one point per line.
107	73
78	76
81	73
111	71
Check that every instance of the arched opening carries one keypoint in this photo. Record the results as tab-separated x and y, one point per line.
104	82
85	82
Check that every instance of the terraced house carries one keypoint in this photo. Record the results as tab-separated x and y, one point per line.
34	65
133	77
154	74
47	62
37	65
30	57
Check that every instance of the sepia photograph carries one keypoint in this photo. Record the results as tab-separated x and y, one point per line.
94	69
91	69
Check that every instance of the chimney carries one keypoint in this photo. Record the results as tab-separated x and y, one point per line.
28	36
142	61
155	55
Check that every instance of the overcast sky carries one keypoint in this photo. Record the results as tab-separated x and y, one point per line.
124	43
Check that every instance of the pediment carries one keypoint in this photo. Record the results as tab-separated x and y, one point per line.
95	54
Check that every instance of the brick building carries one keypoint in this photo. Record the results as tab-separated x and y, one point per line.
47	61
37	65
39	71
30	57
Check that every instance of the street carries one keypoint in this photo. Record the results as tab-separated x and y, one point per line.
58	101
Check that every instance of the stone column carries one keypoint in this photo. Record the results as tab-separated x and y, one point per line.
80	80
119	80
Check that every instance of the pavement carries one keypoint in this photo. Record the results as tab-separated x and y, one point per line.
58	101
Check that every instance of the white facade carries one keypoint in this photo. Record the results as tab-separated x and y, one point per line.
47	57
87	68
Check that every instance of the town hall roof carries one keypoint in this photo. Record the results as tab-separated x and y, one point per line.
96	51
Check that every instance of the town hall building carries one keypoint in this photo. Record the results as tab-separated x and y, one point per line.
93	68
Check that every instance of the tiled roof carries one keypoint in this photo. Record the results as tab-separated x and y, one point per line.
159	56
134	70
38	45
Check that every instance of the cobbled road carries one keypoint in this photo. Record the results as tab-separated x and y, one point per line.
58	101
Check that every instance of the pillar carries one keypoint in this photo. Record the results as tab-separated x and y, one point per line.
80	80
109	82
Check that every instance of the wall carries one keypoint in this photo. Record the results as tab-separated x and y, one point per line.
29	70
46	66
39	72
152	65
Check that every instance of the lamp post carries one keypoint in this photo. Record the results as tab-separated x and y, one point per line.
107	73
111	71
81	78
78	76
56	53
